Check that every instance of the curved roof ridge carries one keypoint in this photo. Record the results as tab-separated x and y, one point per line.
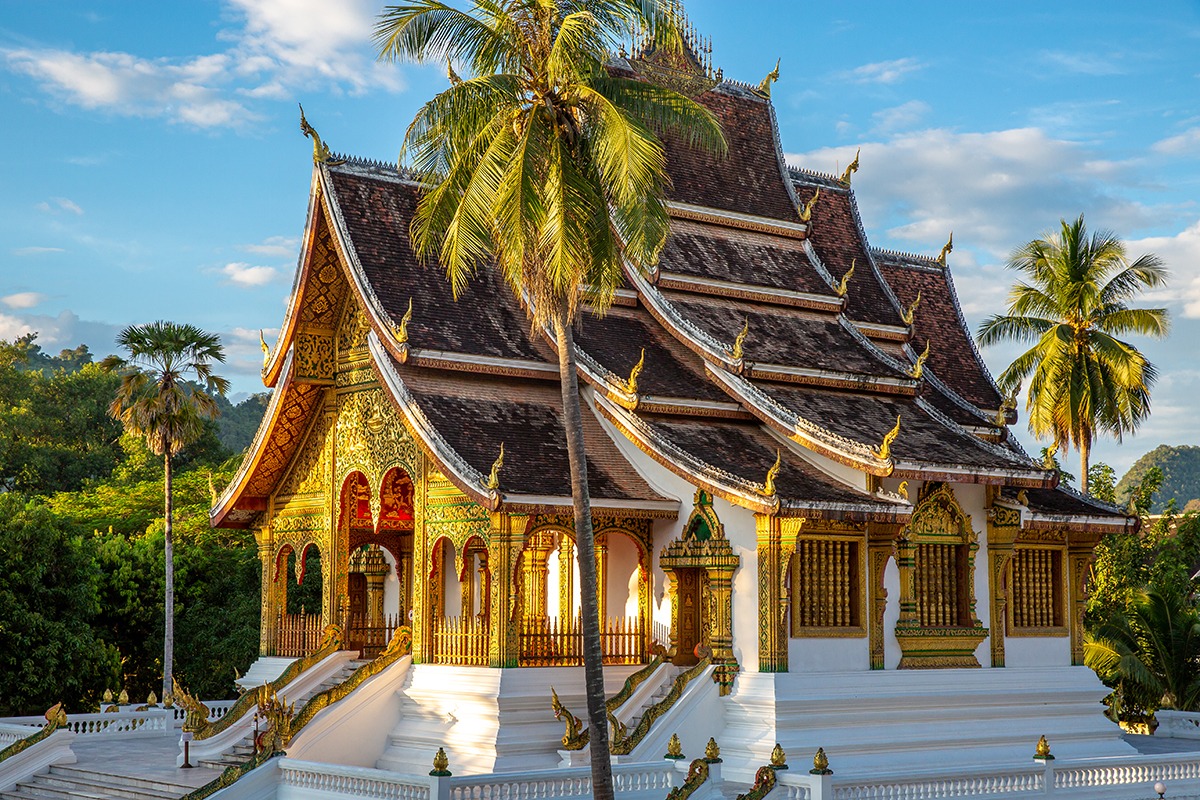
1068	489
783	167
906	255
862	233
374	165
962	322
803	173
954	397
951	425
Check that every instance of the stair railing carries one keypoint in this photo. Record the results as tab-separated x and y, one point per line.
577	736
623	745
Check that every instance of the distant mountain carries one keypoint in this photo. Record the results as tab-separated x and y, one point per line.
238	423
1180	466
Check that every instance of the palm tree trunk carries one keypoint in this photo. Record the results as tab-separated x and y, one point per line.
169	583
589	592
1085	451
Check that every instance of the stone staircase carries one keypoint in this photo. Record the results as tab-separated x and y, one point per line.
241	752
64	782
664	688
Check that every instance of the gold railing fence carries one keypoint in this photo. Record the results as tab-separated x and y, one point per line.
558	641
937	585
298	635
371	636
460	640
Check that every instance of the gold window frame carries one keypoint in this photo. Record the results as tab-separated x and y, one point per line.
1059	586
858	593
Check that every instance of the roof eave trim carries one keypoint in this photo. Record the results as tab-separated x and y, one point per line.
735	219
537	503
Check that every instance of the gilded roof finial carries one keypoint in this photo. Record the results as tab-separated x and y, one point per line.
821	763
741	339
401	332
918	368
1008	404
493	479
441	764
1023	497
844	284
778	758
946	249
1042	752
631	385
451	74
764	88
321	152
266	351
902	489
851	168
885	447
909	314
772	474
712	752
1051	452
674	748
806	212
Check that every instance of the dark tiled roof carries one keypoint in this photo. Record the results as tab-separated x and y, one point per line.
377	212
750	179
475	413
780	335
952	356
671	370
1064	502
866	419
741	256
837	238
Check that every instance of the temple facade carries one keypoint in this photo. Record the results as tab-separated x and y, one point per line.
798	460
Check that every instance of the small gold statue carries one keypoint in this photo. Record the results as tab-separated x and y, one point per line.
778	758
820	763
712	752
1042	752
441	764
674	748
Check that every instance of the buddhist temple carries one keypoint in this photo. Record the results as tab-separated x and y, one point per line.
806	489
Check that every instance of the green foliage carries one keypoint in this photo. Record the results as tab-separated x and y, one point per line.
1101	480
238	423
1049	458
48	648
304	596
1180	467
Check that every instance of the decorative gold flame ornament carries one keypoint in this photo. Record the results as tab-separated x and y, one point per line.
947	248
902	489
266	351
910	313
123	698
1048	461
778	758
321	152
401	332
712	752
493	480
674	748
152	700
851	168
441	764
740	341
820	763
918	369
631	385
1042	753
168	700
807	211
772	474
764	88
107	696
1023	497
1008	404
844	284
885	447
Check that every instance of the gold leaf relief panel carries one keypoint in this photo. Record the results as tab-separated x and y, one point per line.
309	473
371	438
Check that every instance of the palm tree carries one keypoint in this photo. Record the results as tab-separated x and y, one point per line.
1151	650
545	163
157	401
1073	304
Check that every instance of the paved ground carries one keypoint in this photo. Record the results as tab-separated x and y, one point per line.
150	757
1151	745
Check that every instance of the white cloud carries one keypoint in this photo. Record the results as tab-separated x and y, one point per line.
1186	142
56	205
1181	253
281	246
900	117
22	300
1082	63
65	329
244	274
884	71
36	251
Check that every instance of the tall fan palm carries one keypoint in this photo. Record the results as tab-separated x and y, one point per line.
544	162
1073	304
1153	648
158	401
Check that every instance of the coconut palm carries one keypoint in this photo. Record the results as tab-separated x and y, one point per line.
542	161
1072	305
158	401
1152	650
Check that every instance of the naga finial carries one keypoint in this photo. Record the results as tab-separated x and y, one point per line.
844	284
946	250
807	210
851	168
740	341
772	474
631	385
451	74
902	489
910	313
764	88
918	368
576	736
266	350
401	332
1051	452
885	447
493	479
1008	404
56	716
321	151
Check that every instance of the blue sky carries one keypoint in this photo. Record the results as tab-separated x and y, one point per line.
153	165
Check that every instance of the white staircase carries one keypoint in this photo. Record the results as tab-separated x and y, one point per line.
77	783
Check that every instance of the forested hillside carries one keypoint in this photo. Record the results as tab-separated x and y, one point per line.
1180	467
81	544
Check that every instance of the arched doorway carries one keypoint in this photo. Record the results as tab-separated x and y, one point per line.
300	591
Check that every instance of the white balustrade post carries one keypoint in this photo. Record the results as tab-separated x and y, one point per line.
1048	780
822	787
439	787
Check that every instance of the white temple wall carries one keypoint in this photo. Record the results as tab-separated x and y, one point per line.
829	654
1037	651
891	615
973	499
391	585
450	583
621	580
740	530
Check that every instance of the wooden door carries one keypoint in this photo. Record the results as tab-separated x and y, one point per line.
689	616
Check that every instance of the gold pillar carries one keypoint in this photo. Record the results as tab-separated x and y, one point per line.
270	596
566	576
1003	526
506	536
467	584
1080	553
673	599
485	586
720	621
776	543
536	575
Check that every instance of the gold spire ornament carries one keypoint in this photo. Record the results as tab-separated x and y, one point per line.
902	489
266	351
493	479
909	314
152	700
321	152
123	698
885	447
851	168
947	248
631	385
712	752
740	341
918	368
674	748
778	758
807	211
107	697
844	284
441	764
764	88
772	474
402	330
820	763
1042	752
